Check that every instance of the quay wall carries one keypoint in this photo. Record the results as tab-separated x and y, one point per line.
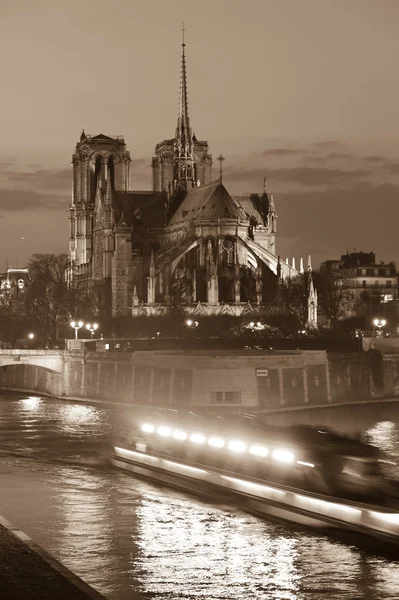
219	381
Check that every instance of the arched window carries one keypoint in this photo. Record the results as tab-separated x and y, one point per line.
111	170
228	252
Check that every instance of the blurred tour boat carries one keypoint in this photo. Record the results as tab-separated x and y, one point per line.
307	475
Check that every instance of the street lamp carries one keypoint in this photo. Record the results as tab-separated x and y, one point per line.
191	323
31	336
76	326
92	328
379	324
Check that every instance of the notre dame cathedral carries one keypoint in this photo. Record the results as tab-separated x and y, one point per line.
187	241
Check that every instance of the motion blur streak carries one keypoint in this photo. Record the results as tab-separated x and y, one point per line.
122	534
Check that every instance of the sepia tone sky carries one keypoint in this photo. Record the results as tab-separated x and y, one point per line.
305	93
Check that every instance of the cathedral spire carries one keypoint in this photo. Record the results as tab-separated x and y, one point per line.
184	175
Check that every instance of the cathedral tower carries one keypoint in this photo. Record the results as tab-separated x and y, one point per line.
182	162
96	159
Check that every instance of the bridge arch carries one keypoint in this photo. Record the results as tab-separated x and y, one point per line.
50	360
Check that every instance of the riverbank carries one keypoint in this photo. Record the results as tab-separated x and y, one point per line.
271	411
27	572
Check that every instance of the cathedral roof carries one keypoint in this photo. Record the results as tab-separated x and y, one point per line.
101	136
141	208
211	201
254	206
171	143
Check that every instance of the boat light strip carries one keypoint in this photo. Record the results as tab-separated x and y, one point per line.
388	517
324	504
135	455
184	467
255	486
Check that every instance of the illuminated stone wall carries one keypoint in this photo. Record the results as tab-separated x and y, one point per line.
218	382
35	379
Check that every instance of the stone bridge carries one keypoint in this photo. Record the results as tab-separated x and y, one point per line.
52	360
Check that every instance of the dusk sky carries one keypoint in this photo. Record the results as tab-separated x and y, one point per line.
304	92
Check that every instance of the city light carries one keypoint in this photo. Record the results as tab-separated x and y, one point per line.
92	328
236	446
76	325
148	428
31	336
191	323
283	456
379	324
165	431
197	438
216	442
259	451
179	435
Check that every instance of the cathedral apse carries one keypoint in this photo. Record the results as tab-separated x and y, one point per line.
188	240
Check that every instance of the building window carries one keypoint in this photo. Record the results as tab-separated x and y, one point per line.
388	283
218	398
363	271
387	272
376	283
375	271
364	283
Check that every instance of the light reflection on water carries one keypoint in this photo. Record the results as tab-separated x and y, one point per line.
122	534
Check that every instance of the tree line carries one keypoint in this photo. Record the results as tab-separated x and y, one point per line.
48	302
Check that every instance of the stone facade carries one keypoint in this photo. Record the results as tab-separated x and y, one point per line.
187	240
220	382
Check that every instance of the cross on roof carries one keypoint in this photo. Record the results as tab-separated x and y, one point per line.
221	158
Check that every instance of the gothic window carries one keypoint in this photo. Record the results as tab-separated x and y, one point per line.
111	170
21	284
228	252
97	170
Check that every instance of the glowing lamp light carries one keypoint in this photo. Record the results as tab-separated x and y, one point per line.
178	434
216	442
197	438
148	428
164	431
92	327
259	451
76	326
283	456
31	336
236	446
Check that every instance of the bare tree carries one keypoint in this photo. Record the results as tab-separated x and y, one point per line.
334	295
49	300
294	294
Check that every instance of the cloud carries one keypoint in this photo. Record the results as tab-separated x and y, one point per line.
374	159
328	144
16	200
308	176
391	167
340	156
283	152
328	222
47	179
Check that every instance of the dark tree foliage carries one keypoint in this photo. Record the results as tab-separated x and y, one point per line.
334	296
294	292
14	323
49	300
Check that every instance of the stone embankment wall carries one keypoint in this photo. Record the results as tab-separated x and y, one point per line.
229	381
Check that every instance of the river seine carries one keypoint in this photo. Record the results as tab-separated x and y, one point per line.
124	536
